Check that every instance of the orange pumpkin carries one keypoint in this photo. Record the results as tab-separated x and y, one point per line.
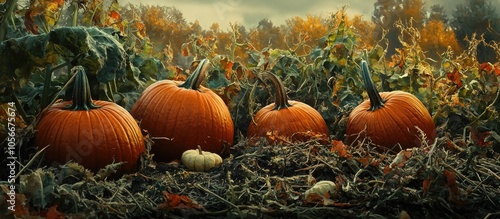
389	119
182	115
91	133
290	119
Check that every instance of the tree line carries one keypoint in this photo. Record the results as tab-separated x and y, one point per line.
439	32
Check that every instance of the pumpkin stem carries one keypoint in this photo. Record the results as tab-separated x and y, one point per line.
195	79
199	150
82	100
376	101
281	101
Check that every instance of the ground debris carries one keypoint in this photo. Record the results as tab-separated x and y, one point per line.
268	181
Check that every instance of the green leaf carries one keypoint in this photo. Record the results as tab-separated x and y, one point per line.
216	79
254	58
39	187
127	99
101	53
132	76
19	56
151	69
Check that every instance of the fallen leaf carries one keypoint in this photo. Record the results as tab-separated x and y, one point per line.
340	148
400	159
451	182
53	213
176	201
426	184
454	194
306	136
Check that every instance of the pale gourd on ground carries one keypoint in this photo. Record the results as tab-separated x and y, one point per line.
198	160
321	188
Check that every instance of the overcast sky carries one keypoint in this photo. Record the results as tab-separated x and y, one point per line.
249	13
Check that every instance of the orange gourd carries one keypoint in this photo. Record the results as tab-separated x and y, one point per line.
91	133
286	118
184	115
389	119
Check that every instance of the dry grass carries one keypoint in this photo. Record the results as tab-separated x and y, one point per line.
259	180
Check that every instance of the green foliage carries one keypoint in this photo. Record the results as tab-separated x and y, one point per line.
20	56
98	51
39	188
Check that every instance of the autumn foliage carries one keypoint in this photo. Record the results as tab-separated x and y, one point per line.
438	38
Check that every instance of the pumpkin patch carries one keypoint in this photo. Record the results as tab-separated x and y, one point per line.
112	110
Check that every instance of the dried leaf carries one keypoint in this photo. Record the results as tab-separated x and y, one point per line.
274	136
227	66
114	15
451	182
398	59
53	213
185	49
43	13
480	138
455	196
176	201
279	186
314	199
426	184
239	71
387	170
340	148
486	66
455	77
307	136
230	92
376	162
365	161
489	68
95	18
140	29
400	159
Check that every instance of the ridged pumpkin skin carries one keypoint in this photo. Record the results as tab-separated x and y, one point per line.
390	119
198	160
93	138
392	124
298	117
186	117
286	117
